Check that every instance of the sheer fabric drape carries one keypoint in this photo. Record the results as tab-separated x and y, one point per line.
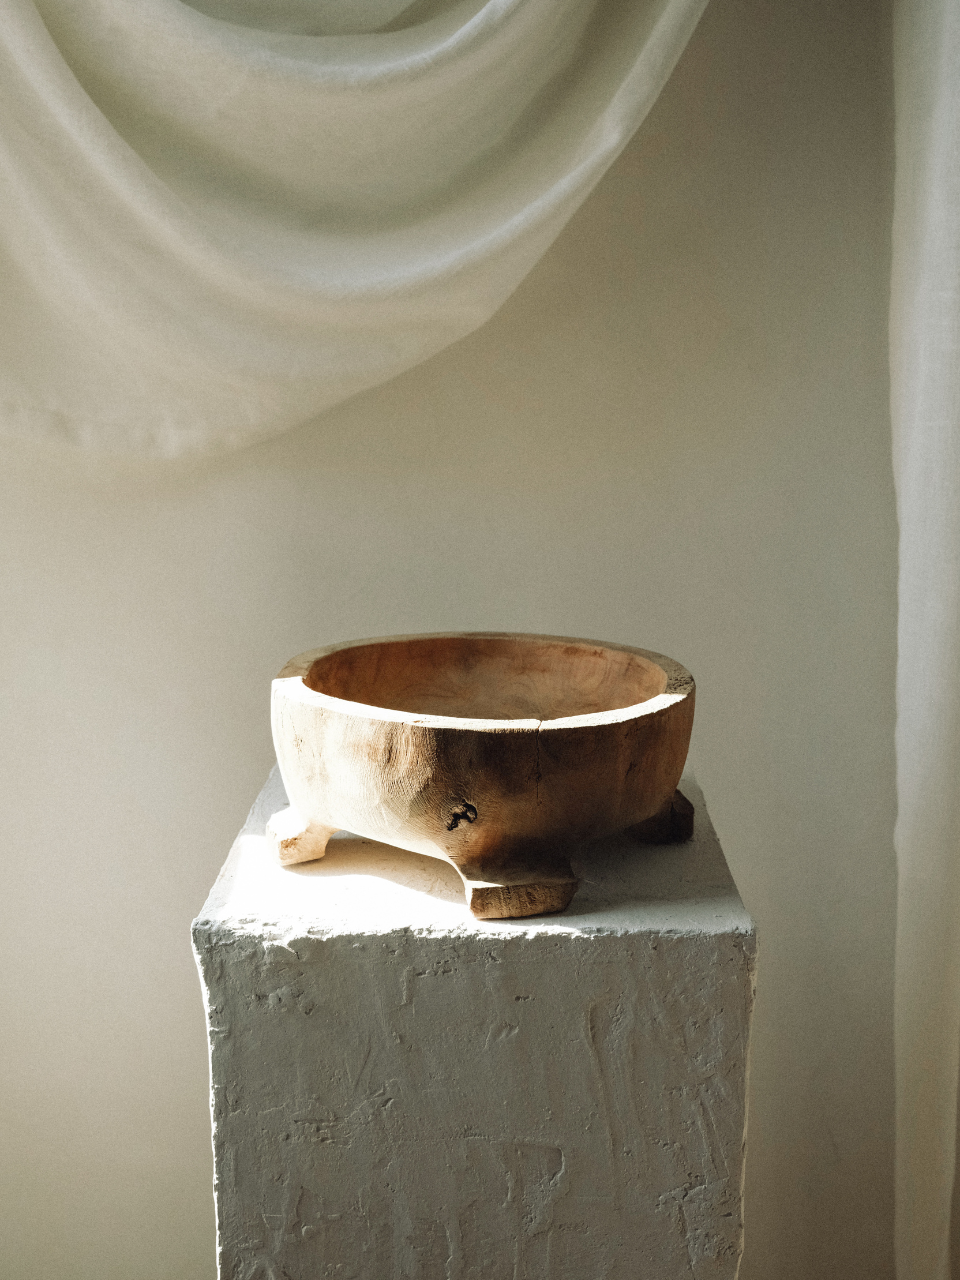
219	218
925	367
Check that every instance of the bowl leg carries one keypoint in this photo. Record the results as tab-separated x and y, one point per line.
672	825
295	840
542	890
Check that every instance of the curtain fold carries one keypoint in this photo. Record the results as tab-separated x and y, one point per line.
218	219
925	386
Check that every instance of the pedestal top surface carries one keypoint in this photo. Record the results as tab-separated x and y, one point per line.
364	888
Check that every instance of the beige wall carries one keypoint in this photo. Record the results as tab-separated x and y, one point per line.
675	435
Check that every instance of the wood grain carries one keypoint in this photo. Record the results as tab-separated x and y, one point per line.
501	753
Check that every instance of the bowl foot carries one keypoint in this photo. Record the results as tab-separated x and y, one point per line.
672	825
295	840
536	891
514	901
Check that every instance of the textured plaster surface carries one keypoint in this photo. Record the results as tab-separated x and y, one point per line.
401	1090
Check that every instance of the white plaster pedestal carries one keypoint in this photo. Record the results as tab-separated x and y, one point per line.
403	1092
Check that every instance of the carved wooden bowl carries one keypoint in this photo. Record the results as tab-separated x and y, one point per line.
503	754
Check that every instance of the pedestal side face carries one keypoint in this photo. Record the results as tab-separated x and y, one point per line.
545	1099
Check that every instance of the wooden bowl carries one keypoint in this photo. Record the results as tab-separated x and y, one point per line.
500	753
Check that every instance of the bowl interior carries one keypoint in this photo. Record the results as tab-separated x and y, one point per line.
488	677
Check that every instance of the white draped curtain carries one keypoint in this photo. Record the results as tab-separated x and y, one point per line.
925	379
218	218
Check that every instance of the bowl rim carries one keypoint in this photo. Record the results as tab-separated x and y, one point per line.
290	684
